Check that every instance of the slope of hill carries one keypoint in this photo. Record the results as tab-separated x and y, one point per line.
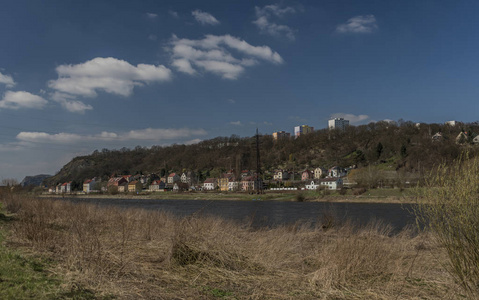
401	146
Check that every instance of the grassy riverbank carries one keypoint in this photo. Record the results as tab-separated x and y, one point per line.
369	196
138	254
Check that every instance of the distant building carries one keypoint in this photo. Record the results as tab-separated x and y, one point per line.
210	184
281	135
451	123
338	123
302	130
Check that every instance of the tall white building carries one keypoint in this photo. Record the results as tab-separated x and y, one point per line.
338	123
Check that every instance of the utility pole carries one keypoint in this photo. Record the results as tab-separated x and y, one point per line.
259	182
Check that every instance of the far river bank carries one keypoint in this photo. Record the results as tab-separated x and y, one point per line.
401	196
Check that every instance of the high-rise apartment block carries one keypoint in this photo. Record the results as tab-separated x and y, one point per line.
281	135
338	123
303	129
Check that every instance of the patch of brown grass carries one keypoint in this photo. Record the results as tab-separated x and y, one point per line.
135	253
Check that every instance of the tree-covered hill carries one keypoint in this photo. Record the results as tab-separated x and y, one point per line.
404	145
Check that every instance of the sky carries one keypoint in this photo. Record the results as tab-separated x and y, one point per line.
79	76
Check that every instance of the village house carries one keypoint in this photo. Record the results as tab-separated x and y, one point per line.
251	183
188	178
281	175
66	187
58	188
307	175
210	184
326	183
233	185
312	186
173	177
337	172
332	183
157	186
123	187
115	181
89	186
319	172
224	181
135	186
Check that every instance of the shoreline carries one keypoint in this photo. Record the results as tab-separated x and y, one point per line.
405	199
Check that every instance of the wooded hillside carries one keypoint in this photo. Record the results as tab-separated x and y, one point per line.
401	145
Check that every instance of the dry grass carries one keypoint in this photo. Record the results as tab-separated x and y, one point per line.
153	255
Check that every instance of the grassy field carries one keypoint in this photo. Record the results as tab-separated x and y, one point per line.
138	254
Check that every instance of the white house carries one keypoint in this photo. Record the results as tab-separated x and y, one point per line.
66	187
312	186
210	184
332	183
233	185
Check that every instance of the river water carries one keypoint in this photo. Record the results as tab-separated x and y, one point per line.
275	213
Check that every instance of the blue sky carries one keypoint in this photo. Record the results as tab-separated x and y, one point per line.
76	76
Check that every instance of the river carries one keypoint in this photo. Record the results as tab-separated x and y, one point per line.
275	213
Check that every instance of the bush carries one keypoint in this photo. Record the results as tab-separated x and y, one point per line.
300	197
449	207
359	191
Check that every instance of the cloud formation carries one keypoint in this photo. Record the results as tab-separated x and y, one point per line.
212	54
173	13
148	134
358	24
236	123
204	18
70	103
108	74
151	15
7	80
17	100
353	119
266	26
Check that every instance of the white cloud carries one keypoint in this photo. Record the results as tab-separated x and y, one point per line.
152	37
358	24
212	54
353	119
173	13
204	18
183	65
70	103
17	100
194	141
148	134
151	15
236	123
232	101
266	26
7	80
109	74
